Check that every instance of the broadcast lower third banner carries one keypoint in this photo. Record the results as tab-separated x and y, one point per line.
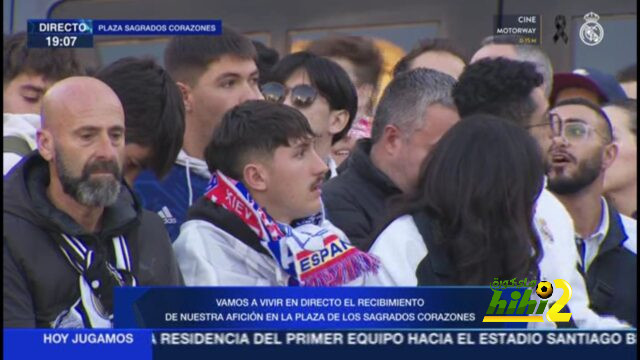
238	322
193	345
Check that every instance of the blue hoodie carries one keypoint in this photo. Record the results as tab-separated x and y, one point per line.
171	197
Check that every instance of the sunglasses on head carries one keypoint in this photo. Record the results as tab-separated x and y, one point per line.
302	95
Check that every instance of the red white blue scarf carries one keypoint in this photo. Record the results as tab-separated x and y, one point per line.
308	249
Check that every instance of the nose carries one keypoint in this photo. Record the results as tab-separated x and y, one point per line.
251	92
319	165
106	149
287	100
558	138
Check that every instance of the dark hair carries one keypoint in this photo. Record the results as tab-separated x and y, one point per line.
630	73
480	184
153	108
592	106
407	97
257	128
426	45
499	87
325	75
361	51
267	58
631	107
52	64
527	52
187	57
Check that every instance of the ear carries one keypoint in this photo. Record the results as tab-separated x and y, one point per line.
391	139
255	177
187	95
609	155
45	144
337	121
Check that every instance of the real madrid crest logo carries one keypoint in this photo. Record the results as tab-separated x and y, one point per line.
591	32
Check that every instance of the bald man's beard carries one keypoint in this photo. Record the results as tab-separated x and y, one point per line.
90	192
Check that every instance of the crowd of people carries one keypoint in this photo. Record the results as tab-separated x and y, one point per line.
232	166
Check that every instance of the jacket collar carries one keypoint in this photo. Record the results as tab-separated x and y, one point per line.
360	162
27	188
205	209
616	235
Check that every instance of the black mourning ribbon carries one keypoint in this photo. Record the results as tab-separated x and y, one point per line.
561	24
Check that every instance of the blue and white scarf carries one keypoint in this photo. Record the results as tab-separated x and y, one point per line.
96	280
311	254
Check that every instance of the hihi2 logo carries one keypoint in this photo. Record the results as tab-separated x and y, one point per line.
521	306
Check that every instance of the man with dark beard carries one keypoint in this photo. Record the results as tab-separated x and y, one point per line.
73	230
580	150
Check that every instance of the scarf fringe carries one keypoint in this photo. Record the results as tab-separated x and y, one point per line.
343	271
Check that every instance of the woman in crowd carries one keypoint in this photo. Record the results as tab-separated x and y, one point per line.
471	219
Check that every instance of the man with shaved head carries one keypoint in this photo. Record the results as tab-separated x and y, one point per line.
73	229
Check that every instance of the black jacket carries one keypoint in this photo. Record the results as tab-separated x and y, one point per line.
39	282
612	277
356	200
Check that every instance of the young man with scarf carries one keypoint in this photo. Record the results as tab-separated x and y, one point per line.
261	220
72	229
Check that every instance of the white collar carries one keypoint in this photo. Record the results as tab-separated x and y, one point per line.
333	167
603	228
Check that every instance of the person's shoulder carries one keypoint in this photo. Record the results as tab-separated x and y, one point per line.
549	206
199	230
401	229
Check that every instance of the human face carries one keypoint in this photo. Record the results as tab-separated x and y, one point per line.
623	172
226	83
341	150
23	94
318	114
575	164
294	179
441	61
495	50
136	160
89	153
415	148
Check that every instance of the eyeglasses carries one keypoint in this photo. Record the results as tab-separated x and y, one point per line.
302	95
574	130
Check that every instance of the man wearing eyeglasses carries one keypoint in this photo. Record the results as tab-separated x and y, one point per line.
580	149
514	90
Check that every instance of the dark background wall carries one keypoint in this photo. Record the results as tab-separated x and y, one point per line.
279	23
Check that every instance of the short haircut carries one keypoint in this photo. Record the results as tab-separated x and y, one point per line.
253	128
361	51
630	73
407	97
325	75
630	106
527	52
52	64
267	58
498	87
427	45
591	105
188	57
153	108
